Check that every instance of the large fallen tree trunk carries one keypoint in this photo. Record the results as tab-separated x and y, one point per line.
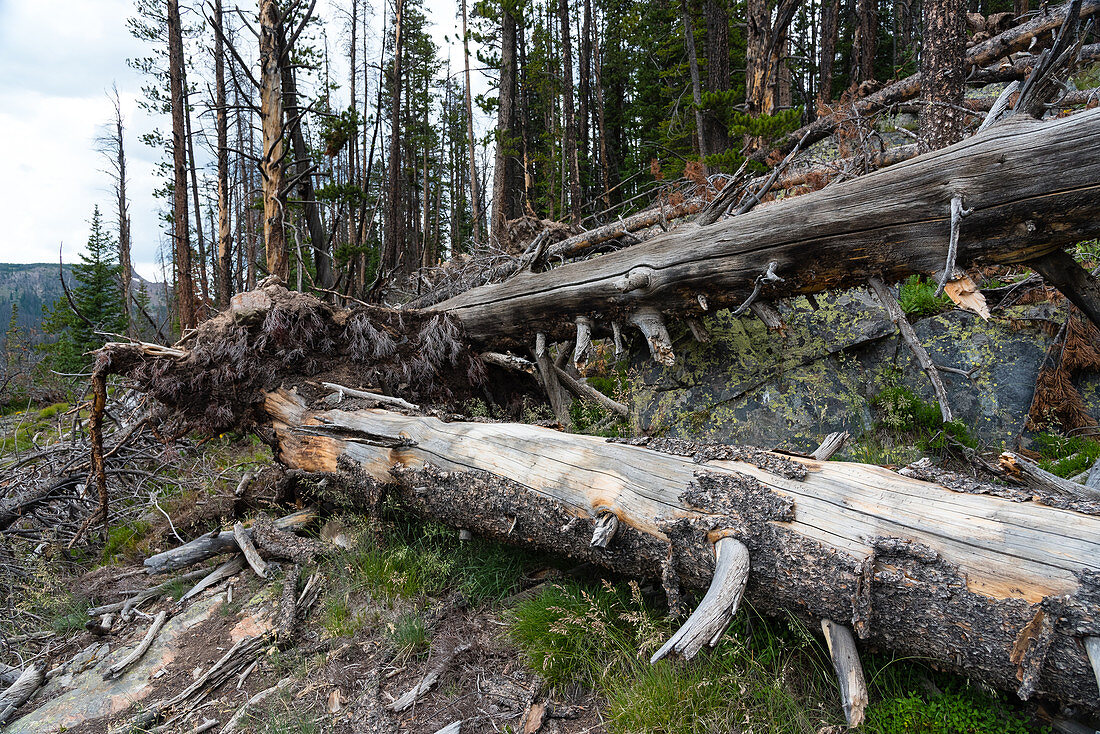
1004	591
1028	186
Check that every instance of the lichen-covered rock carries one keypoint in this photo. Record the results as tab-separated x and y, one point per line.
751	386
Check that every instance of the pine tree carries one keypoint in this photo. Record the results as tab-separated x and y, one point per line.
98	297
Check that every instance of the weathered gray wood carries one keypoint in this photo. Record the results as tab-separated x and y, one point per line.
909	336
1077	284
1030	189
367	395
232	567
830	445
140	650
709	621
407	700
607	524
584	391
831	540
849	671
1029	473
19	692
1092	647
214	544
1092	481
244	542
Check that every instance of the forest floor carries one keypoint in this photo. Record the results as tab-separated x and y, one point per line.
519	642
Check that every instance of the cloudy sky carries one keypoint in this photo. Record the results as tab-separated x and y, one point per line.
58	60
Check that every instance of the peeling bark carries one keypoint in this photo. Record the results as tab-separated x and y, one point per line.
913	566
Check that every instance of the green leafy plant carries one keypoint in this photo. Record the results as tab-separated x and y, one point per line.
918	298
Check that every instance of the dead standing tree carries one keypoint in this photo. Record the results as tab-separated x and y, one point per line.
275	47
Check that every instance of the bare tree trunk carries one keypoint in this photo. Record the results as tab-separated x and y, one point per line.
865	41
503	182
271	160
200	241
185	285
115	150
584	90
601	126
942	73
322	249
696	87
395	220
718	69
570	115
830	10
475	199
225	238
766	45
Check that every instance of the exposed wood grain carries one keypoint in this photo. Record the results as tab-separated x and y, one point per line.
1030	189
849	671
983	563
708	622
244	542
140	650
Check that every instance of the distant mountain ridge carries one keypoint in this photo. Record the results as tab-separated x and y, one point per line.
31	287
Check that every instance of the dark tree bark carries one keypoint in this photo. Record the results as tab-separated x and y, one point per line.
766	44
200	241
830	12
718	69
570	122
965	580
395	220
987	52
696	85
865	41
185	285
942	73
584	92
504	182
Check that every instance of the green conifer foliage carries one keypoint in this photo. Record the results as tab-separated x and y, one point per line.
98	296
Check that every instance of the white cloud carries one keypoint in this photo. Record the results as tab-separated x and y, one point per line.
58	58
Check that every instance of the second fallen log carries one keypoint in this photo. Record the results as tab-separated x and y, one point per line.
1003	591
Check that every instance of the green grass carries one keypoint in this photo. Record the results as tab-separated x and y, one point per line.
409	636
764	676
412	559
68	613
338	616
918	298
903	412
1066	456
123	539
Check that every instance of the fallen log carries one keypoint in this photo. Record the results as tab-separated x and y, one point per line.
214	544
1030	190
1004	591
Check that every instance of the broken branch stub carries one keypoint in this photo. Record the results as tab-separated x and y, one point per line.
849	671
652	325
708	622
